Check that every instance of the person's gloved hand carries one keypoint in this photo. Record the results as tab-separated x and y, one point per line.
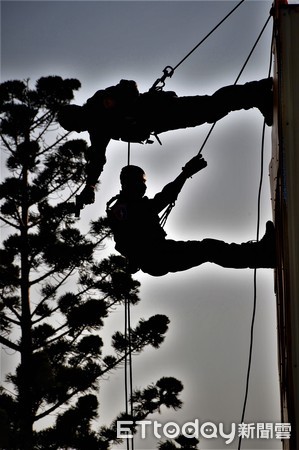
193	166
87	196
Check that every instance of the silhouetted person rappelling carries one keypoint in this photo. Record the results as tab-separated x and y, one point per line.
139	237
120	112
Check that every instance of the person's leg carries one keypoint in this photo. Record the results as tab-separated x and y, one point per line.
261	254
183	112
173	256
176	256
258	94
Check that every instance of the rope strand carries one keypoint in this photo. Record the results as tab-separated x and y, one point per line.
208	35
169	208
238	77
169	71
255	270
129	153
128	351
128	370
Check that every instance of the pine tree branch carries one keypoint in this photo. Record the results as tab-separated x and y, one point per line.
76	391
9	319
46	116
9	344
62	138
57	187
56	338
45	127
57	405
12	309
43	277
58	285
7	222
5	142
128	352
99	242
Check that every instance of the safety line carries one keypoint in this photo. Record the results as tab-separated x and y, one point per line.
166	213
128	351
129	153
169	71
255	270
254	295
128	370
130	366
238	77
127	310
208	35
126	365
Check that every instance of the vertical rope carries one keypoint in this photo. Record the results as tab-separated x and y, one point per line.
128	352
129	153
130	366
255	270
126	368
254	291
129	407
238	77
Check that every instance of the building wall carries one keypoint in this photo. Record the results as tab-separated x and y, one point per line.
284	177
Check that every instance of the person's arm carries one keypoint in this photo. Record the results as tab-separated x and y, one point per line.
171	191
96	160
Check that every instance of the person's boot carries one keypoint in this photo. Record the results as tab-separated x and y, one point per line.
252	254
262	96
261	254
254	94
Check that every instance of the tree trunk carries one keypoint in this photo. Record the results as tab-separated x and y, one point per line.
26	407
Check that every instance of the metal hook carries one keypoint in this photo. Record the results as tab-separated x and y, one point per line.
160	82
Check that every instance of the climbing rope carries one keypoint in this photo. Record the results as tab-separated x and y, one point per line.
128	351
255	270
128	369
254	296
158	85
169	71
238	77
169	208
129	154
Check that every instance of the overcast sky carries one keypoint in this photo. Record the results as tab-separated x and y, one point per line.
210	308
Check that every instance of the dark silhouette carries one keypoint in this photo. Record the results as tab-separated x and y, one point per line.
120	112
139	236
58	359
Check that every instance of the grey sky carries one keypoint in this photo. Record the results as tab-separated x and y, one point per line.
209	307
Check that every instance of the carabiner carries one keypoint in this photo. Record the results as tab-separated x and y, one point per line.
160	82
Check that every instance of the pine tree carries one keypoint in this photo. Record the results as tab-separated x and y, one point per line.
54	292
